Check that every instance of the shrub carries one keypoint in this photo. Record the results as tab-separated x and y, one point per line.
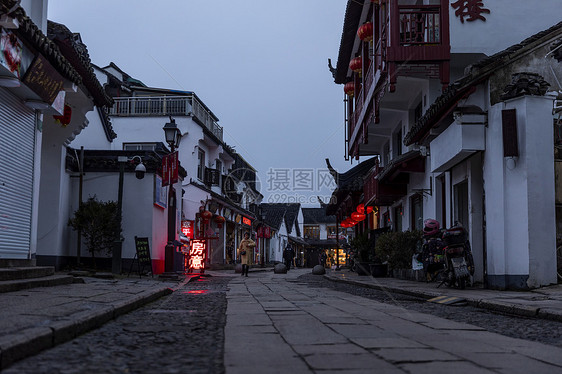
397	248
99	223
360	246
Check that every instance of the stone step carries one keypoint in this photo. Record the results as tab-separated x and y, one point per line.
46	281
28	272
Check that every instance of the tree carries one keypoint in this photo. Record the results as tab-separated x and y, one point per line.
99	223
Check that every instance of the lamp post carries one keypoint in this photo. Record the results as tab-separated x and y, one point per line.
140	170
173	135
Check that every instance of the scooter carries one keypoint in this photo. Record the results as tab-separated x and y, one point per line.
459	264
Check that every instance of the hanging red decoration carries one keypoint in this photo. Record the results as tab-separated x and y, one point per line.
365	32
361	208
356	216
369	210
349	88
206	215
220	220
356	64
375	2
64	120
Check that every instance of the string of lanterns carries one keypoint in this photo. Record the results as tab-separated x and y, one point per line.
359	215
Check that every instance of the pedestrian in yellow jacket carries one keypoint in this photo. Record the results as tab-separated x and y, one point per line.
245	251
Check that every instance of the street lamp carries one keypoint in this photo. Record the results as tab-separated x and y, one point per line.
173	136
140	170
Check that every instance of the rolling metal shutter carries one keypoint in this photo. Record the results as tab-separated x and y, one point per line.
17	149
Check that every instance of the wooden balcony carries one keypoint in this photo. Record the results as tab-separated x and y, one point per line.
408	40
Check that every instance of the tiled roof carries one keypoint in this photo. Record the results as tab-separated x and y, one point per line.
273	214
313	216
76	53
477	73
349	32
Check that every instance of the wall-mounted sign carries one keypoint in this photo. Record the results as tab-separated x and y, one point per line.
264	232
43	79
187	228
197	251
246	221
160	193
10	52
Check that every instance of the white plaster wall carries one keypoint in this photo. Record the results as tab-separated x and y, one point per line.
509	22
140	216
93	136
520	201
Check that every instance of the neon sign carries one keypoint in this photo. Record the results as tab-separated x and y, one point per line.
197	252
246	221
187	228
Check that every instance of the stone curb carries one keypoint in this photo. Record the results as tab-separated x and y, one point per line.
31	341
495	305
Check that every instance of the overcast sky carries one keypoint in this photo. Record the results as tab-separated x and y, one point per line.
259	65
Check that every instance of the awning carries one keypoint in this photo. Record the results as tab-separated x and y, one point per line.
297	240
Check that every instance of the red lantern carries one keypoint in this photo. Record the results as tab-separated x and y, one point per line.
64	120
361	208
206	215
356	64
349	88
369	210
219	220
365	32
356	216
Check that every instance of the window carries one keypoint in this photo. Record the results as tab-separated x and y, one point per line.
461	203
201	164
139	146
397	142
312	232
218	165
398	218
417	213
386	154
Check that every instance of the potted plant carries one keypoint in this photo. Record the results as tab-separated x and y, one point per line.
99	224
360	246
397	248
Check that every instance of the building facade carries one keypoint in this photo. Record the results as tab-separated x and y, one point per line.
430	97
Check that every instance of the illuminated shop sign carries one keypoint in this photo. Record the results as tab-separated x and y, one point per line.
246	221
187	228
197	252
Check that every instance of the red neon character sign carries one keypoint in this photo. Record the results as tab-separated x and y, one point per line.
197	252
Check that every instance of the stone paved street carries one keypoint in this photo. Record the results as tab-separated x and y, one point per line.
300	323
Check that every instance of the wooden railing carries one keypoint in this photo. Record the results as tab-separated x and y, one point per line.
420	25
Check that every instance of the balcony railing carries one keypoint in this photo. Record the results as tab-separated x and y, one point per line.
166	106
419	25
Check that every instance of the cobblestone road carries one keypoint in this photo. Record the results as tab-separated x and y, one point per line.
184	332
180	333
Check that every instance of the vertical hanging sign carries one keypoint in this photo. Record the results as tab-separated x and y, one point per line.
197	252
165	170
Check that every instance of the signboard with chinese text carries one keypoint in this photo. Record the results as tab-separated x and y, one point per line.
43	79
246	221
170	169
197	252
264	232
142	255
187	228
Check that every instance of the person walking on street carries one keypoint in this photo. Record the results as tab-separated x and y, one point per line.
288	255
245	251
323	258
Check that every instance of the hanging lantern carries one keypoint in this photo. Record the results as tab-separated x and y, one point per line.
365	32
361	208
369	210
356	64
220	220
206	215
356	216
349	88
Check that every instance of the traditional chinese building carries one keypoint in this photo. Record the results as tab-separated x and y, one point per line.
435	100
47	87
